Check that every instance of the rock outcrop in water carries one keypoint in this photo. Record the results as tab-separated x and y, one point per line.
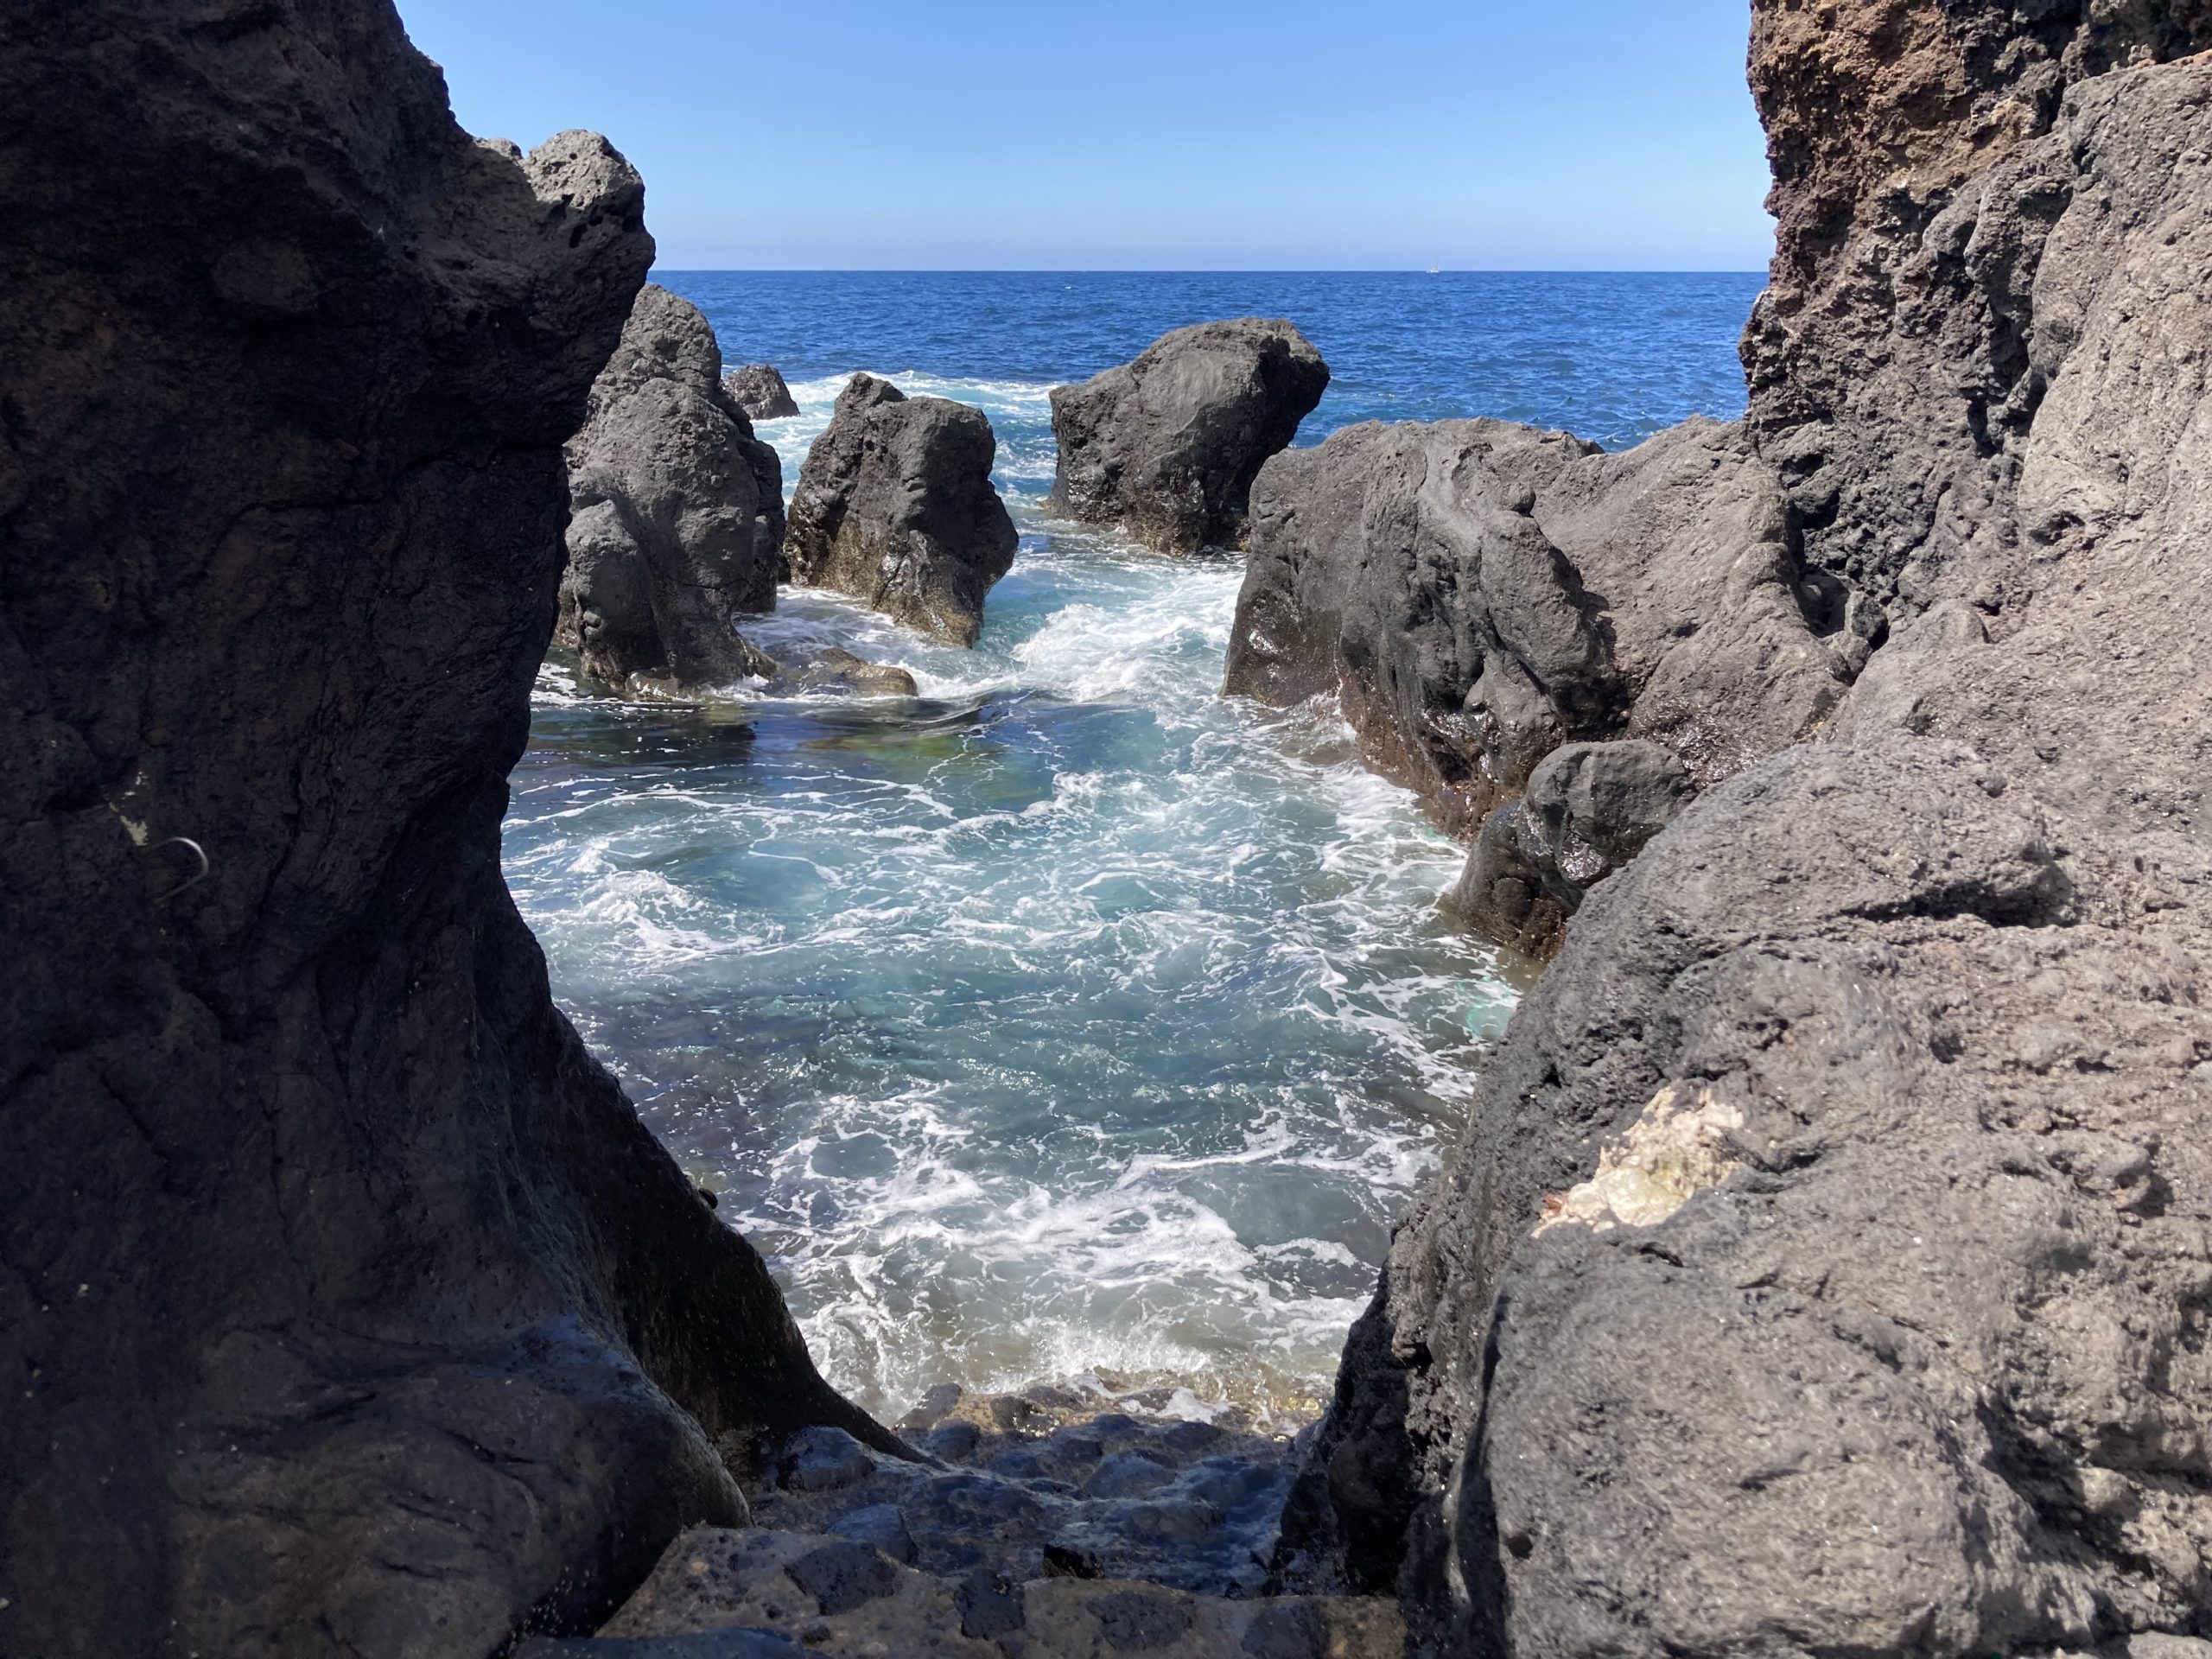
1824	1266
1167	447
677	513
759	389
895	506
1474	594
346	1306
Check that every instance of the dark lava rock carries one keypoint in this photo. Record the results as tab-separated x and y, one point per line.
1588	808
1131	1621
1294	1631
759	389
735	1643
1126	1474
895	506
346	1305
880	1525
843	1575
822	1459
678	513
834	668
1849	1161
1167	447
990	1605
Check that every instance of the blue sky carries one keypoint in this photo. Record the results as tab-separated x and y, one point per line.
1147	134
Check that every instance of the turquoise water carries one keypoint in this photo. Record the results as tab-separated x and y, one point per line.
1069	1018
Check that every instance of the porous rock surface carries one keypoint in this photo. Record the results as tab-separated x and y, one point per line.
1907	1025
346	1306
759	391
895	506
1167	446
677	513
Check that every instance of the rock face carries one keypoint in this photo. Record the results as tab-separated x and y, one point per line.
346	1306
1824	1264
895	506
1167	447
759	389
1473	593
676	521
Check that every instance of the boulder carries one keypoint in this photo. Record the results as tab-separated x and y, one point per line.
759	389
832	668
1852	1158
677	513
1167	447
895	506
346	1305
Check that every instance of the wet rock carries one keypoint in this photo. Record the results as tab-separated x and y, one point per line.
954	1442
1135	1621
822	1459
895	506
1126	1474
1167	447
841	1576
398	1327
834	668
1587	809
991	1605
676	514
935	1405
759	389
711	1644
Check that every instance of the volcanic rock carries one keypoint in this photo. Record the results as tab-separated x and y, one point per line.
759	389
677	513
1167	447
895	506
1907	1023
346	1305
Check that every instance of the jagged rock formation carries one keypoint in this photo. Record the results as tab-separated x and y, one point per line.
677	513
1474	594
895	506
1167	447
1823	1266
759	389
346	1306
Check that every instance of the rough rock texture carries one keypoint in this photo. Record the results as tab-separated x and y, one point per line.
677	522
1473	593
895	506
1907	1026
1167	447
759	389
1588	808
345	1307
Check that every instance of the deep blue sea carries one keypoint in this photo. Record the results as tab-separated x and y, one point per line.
1069	1019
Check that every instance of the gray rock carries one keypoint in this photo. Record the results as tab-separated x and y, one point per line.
346	1305
822	1459
1126	1474
678	513
1131	1621
880	1525
1588	808
832	668
737	1642
759	389
1847	1160
990	1605
1167	447
843	1575
895	506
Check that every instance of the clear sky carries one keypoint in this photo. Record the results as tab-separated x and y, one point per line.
1206	134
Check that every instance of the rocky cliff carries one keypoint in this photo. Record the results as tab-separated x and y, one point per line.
345	1307
1825	1264
676	522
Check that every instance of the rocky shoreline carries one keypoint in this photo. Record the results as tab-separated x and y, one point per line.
1825	1264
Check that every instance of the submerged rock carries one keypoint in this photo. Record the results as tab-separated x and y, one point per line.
1852	1158
1167	447
677	513
346	1305
895	506
831	668
759	389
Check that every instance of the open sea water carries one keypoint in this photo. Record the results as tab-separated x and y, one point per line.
1069	1019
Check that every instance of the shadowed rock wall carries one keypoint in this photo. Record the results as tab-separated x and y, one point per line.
345	1307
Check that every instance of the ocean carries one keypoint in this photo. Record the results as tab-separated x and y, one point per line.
1068	1021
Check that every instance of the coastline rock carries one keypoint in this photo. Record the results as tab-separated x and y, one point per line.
1473	593
835	668
1907	1023
895	506
1167	447
346	1305
759	389
676	513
